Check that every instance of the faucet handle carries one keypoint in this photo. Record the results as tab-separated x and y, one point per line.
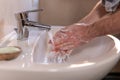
24	15
36	10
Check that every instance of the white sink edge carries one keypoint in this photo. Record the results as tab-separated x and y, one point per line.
37	67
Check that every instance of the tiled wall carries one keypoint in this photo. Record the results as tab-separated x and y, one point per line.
7	10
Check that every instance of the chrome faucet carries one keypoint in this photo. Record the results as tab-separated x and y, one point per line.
23	21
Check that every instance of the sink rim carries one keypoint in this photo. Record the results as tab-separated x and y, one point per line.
66	66
66	71
116	48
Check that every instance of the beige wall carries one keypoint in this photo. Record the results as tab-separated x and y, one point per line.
64	12
7	10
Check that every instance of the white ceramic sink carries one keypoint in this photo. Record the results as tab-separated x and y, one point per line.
89	62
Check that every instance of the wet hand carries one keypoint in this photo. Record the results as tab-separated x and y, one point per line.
71	37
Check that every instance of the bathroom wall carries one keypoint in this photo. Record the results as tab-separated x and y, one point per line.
7	10
64	12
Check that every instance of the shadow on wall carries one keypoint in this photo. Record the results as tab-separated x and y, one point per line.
64	12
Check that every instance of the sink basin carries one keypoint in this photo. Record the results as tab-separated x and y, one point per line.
90	62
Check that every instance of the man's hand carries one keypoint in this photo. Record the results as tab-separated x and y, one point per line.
71	37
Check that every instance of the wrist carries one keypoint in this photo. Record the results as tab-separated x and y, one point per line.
95	31
88	31
91	32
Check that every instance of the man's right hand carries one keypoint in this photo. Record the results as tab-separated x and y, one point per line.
71	37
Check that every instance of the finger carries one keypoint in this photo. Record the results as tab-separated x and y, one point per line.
61	36
67	52
64	47
59	47
67	47
63	44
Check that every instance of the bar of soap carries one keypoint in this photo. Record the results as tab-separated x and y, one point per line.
9	52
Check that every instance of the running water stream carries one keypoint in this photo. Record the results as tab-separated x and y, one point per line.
43	52
53	56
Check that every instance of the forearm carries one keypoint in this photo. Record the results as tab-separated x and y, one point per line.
97	12
107	25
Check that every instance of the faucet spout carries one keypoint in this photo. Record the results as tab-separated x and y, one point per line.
38	25
20	26
23	20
